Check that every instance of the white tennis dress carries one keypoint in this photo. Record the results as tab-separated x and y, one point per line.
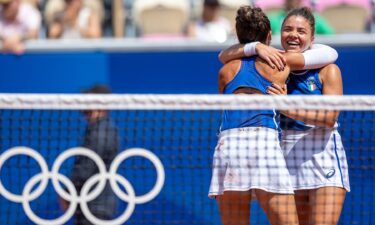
248	154
249	158
315	158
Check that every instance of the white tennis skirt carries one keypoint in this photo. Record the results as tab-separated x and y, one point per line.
315	158
249	158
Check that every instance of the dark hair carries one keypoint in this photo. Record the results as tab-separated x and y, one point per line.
304	12
252	24
97	89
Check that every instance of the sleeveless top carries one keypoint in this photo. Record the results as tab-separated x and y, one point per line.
305	84
248	77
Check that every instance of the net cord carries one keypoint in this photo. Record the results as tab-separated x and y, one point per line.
184	102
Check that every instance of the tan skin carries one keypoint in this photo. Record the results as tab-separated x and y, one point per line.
14	43
320	206
323	205
274	57
330	77
296	36
71	12
280	208
293	61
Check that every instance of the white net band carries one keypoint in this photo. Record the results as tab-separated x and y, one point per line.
183	102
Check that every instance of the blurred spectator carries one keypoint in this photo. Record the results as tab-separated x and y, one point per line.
211	26
102	137
75	21
18	22
372	19
277	18
321	5
161	19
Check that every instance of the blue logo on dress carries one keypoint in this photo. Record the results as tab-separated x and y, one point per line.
330	173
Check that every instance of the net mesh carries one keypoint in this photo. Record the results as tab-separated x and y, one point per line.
153	159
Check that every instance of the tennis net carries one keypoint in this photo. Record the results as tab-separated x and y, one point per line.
149	159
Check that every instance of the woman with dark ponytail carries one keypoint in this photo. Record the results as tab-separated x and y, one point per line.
312	146
248	160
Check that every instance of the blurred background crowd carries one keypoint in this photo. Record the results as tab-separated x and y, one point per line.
208	20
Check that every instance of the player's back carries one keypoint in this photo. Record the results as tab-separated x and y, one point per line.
246	79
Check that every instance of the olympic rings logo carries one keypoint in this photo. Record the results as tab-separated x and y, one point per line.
85	196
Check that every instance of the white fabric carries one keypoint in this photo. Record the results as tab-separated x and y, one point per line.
318	56
218	30
84	16
28	18
82	22
234	3
249	48
315	158
249	158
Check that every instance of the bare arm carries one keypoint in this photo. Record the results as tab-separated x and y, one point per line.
233	52
13	44
332	85
322	118
227	72
221	81
271	55
93	30
317	57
